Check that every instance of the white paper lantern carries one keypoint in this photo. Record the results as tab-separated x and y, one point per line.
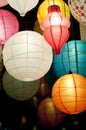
23	6
27	56
17	89
3	3
78	10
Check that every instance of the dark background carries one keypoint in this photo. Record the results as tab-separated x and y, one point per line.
11	111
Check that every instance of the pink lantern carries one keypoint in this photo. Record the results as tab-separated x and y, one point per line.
54	18
3	3
8	25
55	28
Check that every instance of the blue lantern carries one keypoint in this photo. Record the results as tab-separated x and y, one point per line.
72	59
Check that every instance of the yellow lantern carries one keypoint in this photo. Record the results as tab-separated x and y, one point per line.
43	9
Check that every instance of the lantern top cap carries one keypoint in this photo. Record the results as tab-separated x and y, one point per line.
53	8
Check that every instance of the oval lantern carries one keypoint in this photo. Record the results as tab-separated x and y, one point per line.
3	3
71	59
77	9
27	56
69	93
43	9
55	27
23	6
9	25
19	90
48	114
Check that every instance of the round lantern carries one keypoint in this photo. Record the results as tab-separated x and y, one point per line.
71	59
3	3
37	27
17	89
27	56
48	114
9	25
44	90
43	9
69	93
78	10
23	6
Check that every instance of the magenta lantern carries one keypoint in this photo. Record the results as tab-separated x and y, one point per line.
55	27
8	25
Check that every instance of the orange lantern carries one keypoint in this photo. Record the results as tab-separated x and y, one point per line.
69	93
48	114
55	28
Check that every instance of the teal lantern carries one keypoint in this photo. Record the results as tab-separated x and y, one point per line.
72	59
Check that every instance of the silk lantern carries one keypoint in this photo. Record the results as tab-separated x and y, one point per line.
9	25
3	3
77	8
71	59
55	27
43	12
49	114
27	56
69	93
23	6
19	90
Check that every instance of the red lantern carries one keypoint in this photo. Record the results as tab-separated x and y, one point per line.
8	25
44	90
55	28
69	93
48	114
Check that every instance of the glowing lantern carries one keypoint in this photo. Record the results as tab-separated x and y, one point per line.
71	59
8	25
48	114
3	3
69	93
23	6
78	10
55	28
27	56
19	90
43	12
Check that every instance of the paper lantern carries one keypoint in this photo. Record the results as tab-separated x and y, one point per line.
37	27
54	17
27	56
23	6
48	114
69	93
55	28
43	9
9	25
78	10
44	90
3	3
19	90
71	59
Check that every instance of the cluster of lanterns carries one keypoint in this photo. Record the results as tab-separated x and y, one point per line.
28	56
